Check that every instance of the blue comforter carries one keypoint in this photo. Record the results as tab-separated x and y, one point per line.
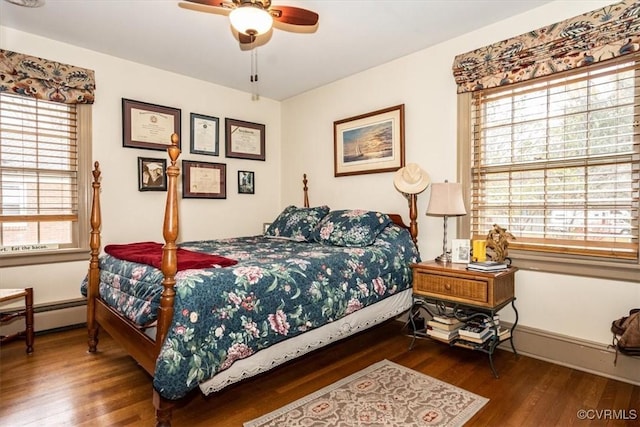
278	289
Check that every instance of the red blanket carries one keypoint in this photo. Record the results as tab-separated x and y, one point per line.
151	253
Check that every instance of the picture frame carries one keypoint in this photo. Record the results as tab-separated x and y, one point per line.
246	182
204	134
152	174
265	227
369	143
204	180
149	126
461	251
244	140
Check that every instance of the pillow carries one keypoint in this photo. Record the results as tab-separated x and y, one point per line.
350	227
296	224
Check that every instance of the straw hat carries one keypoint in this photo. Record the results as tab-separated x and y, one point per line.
411	179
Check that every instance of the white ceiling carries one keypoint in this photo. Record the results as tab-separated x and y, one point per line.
352	36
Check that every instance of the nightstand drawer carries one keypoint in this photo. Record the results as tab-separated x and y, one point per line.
450	287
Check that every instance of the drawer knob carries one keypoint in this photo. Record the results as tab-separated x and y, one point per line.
447	287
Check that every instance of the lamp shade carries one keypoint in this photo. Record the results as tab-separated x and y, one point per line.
446	200
251	20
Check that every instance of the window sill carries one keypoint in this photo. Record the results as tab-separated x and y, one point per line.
576	266
46	257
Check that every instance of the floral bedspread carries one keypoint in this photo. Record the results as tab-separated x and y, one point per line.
278	289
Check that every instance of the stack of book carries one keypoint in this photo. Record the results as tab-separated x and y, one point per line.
478	332
487	266
475	332
444	328
503	333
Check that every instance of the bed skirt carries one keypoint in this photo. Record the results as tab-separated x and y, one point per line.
299	345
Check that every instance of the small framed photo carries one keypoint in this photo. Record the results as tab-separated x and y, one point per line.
204	134
265	227
203	180
152	175
246	182
149	126
244	140
460	251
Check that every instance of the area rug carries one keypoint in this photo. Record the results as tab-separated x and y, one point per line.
384	394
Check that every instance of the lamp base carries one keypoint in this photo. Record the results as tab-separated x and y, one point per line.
444	258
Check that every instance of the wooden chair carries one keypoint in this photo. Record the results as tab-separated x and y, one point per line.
27	313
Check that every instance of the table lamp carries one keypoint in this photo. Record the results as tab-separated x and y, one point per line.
446	200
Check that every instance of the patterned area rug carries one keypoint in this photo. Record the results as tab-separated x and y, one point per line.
384	394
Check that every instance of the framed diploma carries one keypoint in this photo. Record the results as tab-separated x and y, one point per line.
204	180
204	134
244	140
148	125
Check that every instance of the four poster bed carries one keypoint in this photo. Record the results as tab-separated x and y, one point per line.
212	313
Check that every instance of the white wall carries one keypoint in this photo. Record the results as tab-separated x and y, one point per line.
125	210
568	305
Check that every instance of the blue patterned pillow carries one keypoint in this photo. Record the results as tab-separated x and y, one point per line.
296	223
350	227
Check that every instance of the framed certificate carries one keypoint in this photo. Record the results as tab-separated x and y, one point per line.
244	140
204	180
149	126
204	134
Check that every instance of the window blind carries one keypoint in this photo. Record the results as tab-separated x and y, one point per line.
557	162
38	171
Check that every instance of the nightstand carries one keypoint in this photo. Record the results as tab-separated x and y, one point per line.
451	292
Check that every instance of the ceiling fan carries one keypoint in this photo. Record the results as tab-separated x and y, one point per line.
252	18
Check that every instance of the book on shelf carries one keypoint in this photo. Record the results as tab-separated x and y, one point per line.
487	321
442	335
503	333
449	320
491	266
472	342
444	326
478	339
475	330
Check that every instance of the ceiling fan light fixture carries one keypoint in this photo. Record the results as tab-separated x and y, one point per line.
251	20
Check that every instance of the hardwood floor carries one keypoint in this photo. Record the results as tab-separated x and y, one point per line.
62	384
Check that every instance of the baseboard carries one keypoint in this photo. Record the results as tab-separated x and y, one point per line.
588	356
53	316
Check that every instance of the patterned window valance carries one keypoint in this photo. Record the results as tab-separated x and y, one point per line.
43	79
593	37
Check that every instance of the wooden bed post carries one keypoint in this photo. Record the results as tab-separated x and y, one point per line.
94	271
305	190
413	215
169	268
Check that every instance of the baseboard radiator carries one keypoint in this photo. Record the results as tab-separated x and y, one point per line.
588	356
51	317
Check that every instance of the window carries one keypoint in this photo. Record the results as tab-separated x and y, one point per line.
44	169
556	161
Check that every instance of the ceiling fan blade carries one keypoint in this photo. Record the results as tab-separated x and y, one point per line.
294	15
208	6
